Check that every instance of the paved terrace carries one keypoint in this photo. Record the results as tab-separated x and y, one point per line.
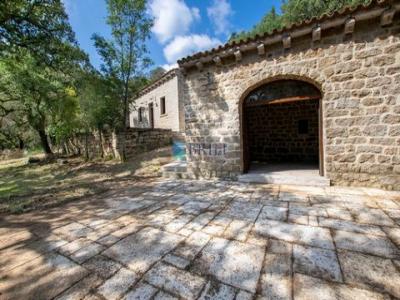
191	240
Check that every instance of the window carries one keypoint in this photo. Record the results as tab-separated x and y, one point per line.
302	126
162	106
140	114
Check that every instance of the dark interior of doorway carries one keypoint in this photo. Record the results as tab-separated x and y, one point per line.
282	130
284	133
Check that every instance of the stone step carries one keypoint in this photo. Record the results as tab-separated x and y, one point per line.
175	170
285	179
177	166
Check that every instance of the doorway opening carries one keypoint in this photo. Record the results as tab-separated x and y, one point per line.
151	115
282	129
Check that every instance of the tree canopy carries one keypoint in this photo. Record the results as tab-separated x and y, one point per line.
294	11
125	55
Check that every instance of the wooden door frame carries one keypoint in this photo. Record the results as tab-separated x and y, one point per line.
321	137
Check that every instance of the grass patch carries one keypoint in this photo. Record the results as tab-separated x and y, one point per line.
25	187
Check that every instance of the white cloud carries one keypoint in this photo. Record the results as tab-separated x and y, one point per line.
219	13
185	45
168	67
171	18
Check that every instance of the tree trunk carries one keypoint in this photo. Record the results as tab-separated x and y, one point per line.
101	143
21	144
45	142
86	146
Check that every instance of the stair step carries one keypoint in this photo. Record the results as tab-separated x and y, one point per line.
175	170
285	179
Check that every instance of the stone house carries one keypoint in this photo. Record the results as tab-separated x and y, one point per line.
160	104
321	97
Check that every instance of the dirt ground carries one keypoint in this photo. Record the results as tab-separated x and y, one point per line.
25	186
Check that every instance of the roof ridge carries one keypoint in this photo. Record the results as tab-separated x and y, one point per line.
155	82
349	9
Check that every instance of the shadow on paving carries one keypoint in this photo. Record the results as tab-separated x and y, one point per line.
186	239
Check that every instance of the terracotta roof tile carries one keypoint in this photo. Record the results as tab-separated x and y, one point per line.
343	12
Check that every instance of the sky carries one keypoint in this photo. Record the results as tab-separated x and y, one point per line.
181	27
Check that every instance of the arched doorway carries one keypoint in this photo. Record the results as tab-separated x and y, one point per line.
281	126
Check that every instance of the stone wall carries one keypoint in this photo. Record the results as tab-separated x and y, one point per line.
137	141
273	132
143	140
359	78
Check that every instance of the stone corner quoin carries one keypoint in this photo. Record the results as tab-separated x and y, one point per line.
357	71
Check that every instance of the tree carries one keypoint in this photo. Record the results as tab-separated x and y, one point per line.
295	11
42	96
124	57
39	26
156	73
39	61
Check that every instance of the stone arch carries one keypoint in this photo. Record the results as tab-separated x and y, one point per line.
266	81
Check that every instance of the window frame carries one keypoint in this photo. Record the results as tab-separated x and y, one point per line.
140	114
163	106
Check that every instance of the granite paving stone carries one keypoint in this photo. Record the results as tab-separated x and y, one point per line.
298	219
139	251
217	291
243	295
306	288
350	226
192	245
394	214
16	255
275	282
142	291
73	231
176	261
290	196
313	236
231	262
184	284
238	230
178	223
87	252
273	213
371	244
191	239
370	272
118	284
316	262
279	247
81	288
164	296
242	210
102	266
339	213
40	278
393	234
200	221
372	217
214	229
194	207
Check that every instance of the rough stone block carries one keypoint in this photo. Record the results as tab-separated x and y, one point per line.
317	262
141	250
217	291
313	236
370	272
184	284
231	262
118	284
